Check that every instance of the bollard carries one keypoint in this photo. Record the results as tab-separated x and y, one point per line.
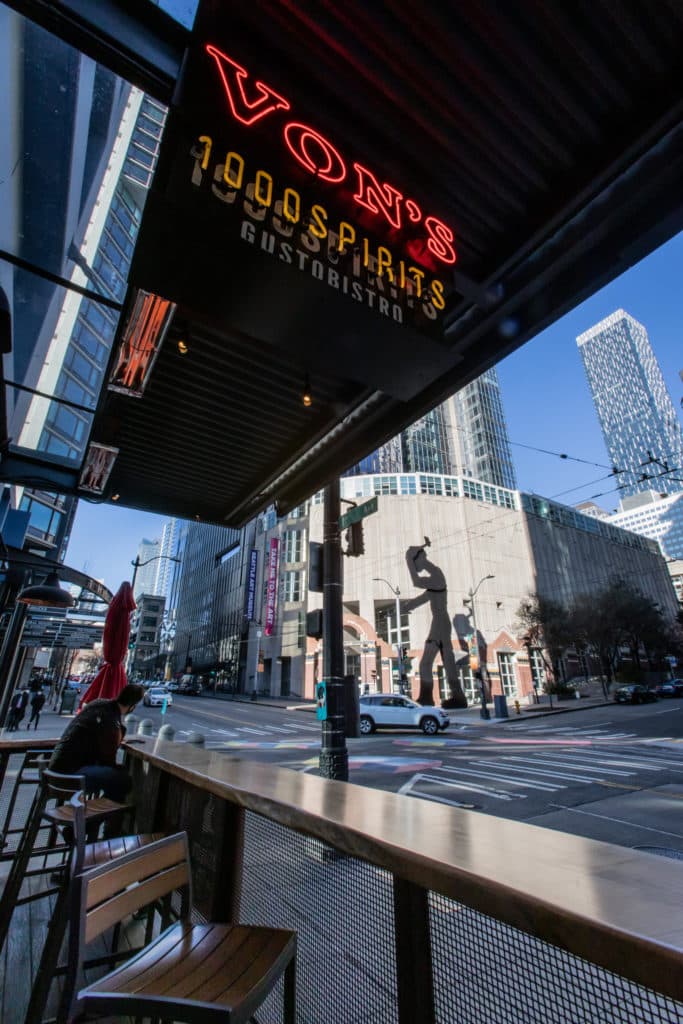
518	708
195	737
145	727
131	723
167	732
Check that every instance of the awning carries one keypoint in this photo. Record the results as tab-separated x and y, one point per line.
539	144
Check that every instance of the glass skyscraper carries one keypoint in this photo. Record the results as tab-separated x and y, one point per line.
481	444
639	424
467	435
81	162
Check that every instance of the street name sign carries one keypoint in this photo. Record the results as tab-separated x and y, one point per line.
354	515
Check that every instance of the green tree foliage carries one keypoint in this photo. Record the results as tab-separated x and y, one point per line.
600	624
544	623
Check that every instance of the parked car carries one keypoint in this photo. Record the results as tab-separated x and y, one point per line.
390	710
155	697
173	686
634	693
672	688
189	686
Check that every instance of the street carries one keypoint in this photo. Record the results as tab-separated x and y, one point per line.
613	773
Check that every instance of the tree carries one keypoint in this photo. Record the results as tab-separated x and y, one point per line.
544	623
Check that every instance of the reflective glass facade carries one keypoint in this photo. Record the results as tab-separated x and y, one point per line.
210	603
637	417
74	171
480	433
467	434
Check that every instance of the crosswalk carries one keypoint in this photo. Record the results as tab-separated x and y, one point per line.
519	776
567	730
215	735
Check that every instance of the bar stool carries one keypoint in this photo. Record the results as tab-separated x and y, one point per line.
84	856
190	972
32	764
54	788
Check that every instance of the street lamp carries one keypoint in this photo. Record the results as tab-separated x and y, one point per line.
137	564
399	648
484	713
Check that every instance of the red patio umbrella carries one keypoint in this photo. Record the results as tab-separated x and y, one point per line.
111	678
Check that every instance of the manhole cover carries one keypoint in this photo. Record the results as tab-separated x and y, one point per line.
661	851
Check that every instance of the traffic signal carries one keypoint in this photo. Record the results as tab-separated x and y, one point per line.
315	567
314	623
355	541
132	640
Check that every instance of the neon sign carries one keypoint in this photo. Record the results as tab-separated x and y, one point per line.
251	101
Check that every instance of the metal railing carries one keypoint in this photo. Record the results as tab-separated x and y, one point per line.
419	913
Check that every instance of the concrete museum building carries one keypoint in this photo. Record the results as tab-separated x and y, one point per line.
445	554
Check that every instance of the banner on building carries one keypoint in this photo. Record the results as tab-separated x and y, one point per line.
251	585
271	590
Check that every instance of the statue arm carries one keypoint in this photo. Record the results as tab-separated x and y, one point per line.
414	602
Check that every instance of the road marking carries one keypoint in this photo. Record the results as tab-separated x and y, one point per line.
618	821
471	786
526	783
254	732
628	764
560	764
543	771
583	766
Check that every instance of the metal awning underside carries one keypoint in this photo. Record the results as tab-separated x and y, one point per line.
549	135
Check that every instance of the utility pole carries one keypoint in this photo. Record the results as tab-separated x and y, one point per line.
399	646
334	755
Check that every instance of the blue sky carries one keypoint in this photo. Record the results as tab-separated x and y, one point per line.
546	400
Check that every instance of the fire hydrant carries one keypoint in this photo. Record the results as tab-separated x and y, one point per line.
518	707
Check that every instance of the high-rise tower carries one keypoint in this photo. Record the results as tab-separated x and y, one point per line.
639	423
467	434
480	438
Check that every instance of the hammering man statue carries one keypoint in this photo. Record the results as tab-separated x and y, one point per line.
430	579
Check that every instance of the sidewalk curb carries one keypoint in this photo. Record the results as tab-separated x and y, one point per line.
531	716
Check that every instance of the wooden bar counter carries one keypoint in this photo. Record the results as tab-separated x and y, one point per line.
615	907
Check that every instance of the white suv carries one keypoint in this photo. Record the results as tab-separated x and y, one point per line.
155	697
391	711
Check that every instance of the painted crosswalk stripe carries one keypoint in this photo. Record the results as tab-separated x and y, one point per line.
564	764
544	772
254	732
583	765
524	783
620	763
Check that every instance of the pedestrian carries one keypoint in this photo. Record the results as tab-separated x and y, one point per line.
17	710
37	702
89	744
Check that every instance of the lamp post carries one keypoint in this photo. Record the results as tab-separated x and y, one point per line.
399	647
137	564
484	713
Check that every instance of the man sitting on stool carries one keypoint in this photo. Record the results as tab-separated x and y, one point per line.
89	744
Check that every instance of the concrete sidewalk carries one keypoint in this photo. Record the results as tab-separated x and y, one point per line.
51	724
460	716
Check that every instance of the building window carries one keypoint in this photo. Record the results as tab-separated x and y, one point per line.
292	586
506	667
385	624
147	638
469	683
294	546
